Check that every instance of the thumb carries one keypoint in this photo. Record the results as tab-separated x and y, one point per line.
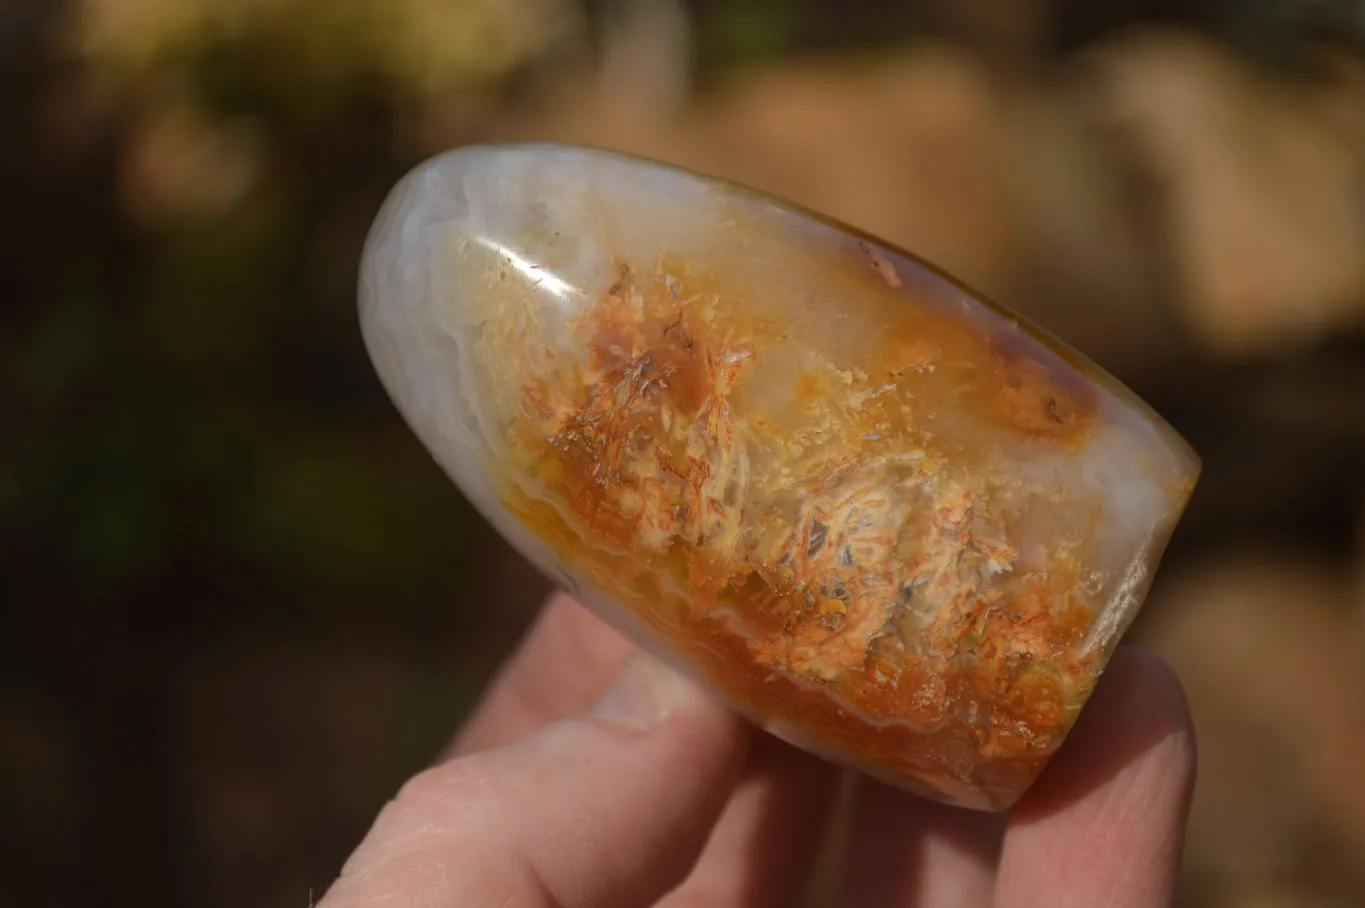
608	809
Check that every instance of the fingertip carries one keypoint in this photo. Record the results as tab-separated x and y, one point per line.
1138	712
1105	821
1169	718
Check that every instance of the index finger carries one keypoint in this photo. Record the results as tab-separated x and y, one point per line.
609	808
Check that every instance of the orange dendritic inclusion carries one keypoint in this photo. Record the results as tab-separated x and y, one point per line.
827	541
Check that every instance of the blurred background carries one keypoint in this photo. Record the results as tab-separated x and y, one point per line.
241	604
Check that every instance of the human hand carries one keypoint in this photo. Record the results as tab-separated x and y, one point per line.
578	782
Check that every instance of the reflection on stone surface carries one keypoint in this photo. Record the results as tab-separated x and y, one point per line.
879	515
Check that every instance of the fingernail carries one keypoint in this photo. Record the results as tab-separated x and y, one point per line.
644	694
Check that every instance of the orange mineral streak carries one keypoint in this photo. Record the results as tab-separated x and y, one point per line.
807	534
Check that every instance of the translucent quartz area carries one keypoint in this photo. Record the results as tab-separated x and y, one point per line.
885	519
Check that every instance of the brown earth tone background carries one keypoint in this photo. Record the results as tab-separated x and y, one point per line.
241	605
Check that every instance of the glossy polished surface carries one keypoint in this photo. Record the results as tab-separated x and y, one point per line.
873	512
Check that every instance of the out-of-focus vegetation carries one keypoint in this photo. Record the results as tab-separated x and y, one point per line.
242	604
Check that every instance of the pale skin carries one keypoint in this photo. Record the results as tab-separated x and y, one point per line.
592	777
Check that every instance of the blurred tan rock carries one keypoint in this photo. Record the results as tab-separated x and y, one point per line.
1276	684
177	163
1094	280
423	46
1263	183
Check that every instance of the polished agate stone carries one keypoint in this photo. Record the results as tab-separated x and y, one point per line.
882	517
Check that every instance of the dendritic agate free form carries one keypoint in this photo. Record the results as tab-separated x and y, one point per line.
882	517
